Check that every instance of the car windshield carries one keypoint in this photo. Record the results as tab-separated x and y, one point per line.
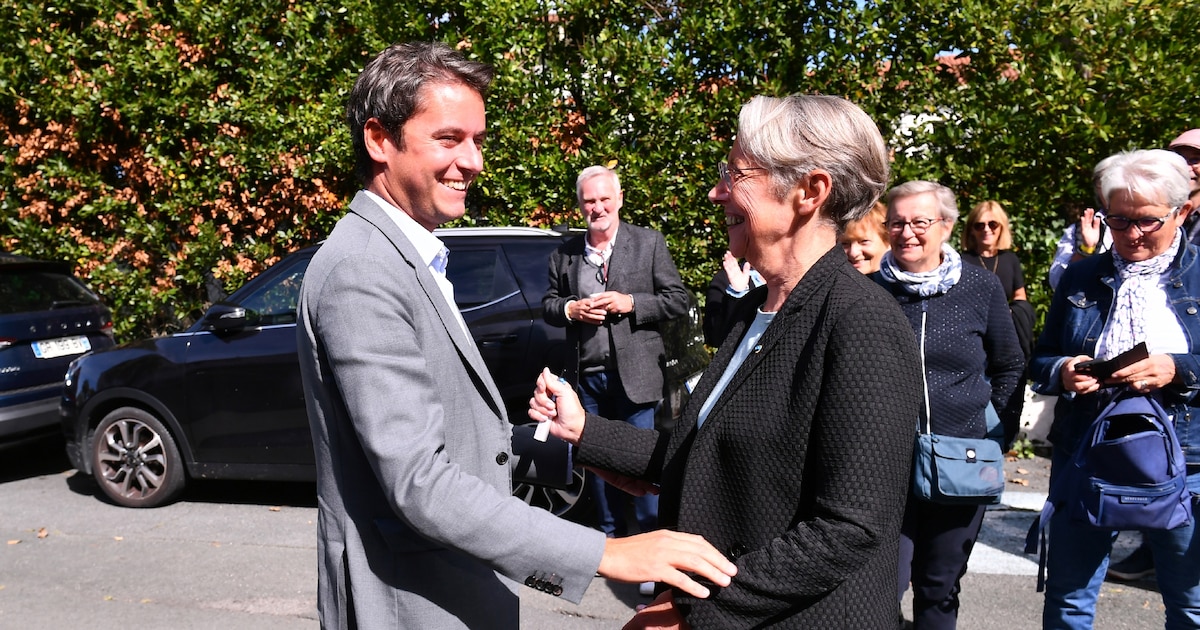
23	291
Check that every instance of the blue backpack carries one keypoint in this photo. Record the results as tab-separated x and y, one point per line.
1128	472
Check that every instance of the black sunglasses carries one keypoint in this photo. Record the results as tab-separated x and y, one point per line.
991	225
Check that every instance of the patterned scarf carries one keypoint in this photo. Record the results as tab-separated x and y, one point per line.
1134	279
926	283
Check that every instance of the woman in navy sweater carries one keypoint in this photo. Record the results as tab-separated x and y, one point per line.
972	358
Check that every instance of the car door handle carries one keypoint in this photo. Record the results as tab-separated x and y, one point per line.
496	342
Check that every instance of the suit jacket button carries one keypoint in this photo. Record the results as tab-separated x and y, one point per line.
737	550
502	458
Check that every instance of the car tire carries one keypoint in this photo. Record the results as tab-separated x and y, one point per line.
568	503
135	459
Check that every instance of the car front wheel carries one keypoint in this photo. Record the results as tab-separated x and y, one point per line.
566	502
135	459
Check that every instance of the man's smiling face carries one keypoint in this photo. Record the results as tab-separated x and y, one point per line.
442	154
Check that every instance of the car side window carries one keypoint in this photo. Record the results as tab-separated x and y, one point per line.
479	276
531	262
275	302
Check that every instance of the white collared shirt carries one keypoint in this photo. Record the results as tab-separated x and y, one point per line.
429	247
599	257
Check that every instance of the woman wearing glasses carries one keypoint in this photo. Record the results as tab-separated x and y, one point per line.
959	315
1146	289
793	453
986	242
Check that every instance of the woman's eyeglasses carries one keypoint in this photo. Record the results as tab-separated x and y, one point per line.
990	225
918	226
1145	225
731	175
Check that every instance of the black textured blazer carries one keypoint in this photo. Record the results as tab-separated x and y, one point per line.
801	471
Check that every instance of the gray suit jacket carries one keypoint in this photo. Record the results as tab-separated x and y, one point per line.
417	527
642	267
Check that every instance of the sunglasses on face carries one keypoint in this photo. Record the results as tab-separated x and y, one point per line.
990	225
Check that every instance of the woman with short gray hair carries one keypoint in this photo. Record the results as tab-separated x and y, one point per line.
793	453
959	315
1145	289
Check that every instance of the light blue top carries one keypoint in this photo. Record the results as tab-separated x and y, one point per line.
748	345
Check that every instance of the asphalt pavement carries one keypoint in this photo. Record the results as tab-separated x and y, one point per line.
243	555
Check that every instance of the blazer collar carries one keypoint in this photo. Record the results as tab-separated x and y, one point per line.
814	284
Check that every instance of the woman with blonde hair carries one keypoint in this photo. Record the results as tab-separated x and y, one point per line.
986	242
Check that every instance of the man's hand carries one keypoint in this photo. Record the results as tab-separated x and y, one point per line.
661	614
613	302
587	311
666	556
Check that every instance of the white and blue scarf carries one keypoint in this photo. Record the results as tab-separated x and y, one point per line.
925	283
1128	324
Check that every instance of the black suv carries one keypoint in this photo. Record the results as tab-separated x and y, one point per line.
223	399
47	318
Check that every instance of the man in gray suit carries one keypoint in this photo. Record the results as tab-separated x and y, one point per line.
416	526
611	287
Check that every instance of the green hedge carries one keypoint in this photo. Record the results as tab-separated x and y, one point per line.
170	151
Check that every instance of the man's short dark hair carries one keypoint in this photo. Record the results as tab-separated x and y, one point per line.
389	90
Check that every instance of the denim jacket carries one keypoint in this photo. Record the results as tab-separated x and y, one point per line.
1077	316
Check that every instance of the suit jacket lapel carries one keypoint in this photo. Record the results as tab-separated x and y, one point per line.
623	260
368	209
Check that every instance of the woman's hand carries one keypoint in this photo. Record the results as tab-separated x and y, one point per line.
555	401
661	614
629	485
739	276
1089	230
1076	382
1154	372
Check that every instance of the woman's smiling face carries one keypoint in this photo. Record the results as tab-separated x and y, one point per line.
917	252
863	246
754	217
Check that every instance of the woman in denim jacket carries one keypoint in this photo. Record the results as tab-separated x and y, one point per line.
1146	289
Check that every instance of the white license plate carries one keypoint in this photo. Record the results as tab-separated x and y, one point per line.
61	347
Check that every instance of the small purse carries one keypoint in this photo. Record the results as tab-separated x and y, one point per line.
955	470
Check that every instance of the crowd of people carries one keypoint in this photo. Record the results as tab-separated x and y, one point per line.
842	320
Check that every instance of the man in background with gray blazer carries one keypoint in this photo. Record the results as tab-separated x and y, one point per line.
416	526
611	287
